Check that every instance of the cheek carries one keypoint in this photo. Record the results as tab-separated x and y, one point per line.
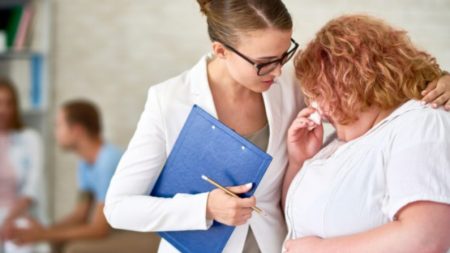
62	134
243	73
324	111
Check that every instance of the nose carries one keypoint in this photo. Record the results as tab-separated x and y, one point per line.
276	72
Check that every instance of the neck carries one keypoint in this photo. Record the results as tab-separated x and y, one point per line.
220	79
366	121
88	148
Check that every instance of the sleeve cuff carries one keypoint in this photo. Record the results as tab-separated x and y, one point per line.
398	204
197	211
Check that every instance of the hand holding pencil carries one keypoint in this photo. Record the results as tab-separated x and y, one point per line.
225	206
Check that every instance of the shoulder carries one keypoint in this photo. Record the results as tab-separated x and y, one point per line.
421	124
173	85
108	159
180	85
28	136
112	152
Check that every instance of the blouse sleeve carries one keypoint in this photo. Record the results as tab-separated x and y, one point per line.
418	167
33	183
128	205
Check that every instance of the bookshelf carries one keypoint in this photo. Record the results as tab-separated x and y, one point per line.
28	65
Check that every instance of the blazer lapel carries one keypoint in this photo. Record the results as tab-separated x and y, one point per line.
200	89
273	111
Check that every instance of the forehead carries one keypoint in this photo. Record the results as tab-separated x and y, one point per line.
265	43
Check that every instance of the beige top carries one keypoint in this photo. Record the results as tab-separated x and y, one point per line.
261	139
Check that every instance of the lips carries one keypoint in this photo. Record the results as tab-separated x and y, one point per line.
269	82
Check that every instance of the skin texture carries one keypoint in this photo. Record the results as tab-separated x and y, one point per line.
437	93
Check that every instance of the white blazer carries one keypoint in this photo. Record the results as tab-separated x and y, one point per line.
128	205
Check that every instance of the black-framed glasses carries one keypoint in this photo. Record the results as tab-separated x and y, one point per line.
267	67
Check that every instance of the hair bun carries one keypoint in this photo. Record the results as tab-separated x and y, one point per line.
204	6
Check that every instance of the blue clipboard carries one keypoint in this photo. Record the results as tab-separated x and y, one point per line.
205	146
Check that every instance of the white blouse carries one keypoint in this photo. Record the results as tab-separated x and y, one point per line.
26	158
352	187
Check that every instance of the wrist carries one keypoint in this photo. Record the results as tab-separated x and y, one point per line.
209	215
295	163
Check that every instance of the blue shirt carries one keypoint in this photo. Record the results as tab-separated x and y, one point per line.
95	178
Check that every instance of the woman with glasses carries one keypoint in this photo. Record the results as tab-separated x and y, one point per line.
241	83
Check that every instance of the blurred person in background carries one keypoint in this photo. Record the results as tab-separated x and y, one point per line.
21	169
78	129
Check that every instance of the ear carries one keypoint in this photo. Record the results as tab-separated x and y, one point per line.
219	50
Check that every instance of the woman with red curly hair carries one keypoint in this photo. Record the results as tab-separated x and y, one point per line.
381	183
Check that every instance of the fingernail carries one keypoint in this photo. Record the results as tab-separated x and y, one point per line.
249	185
423	102
435	106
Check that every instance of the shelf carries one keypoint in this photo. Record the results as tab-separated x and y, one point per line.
11	3
34	112
18	55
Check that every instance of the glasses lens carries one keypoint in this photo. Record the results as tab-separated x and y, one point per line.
266	69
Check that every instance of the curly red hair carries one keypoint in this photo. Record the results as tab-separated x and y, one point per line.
356	62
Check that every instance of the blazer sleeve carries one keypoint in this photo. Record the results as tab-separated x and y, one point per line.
128	204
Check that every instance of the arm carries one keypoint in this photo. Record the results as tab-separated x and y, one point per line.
291	170
96	228
302	144
415	230
80	213
19	208
128	204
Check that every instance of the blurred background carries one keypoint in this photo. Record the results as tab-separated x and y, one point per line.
112	51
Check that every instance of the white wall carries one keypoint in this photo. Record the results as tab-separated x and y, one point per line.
111	51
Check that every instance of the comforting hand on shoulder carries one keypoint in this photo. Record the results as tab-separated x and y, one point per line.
437	93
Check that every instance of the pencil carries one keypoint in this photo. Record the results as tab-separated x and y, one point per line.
209	180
